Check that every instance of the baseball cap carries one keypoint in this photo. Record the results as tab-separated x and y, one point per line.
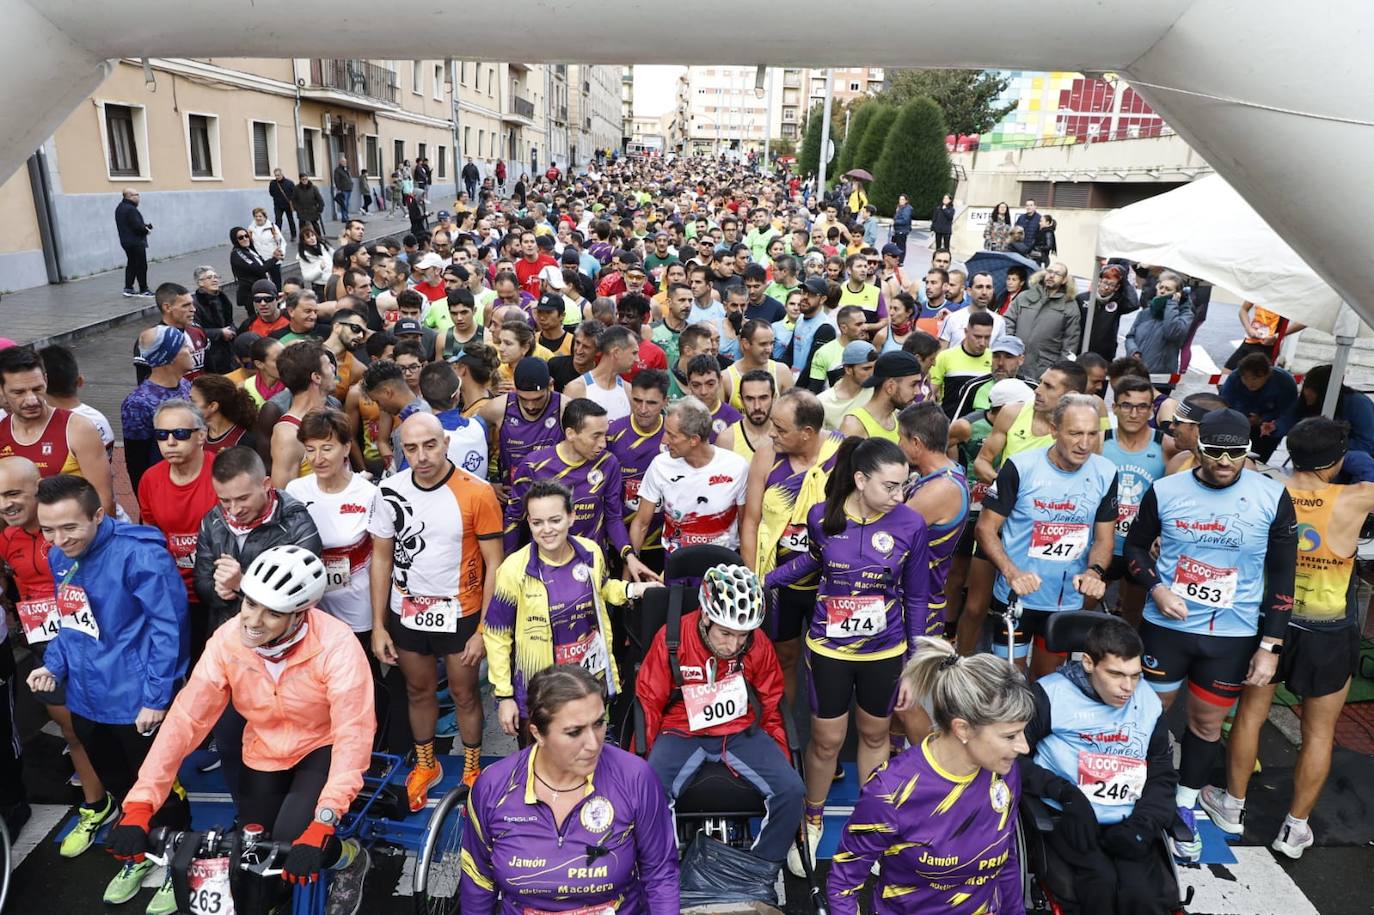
1224	429
552	301
531	374
243	344
1189	411
445	214
264	287
429	260
570	257
816	286
891	250
1009	390
407	326
897	364
1007	343
860	352
553	276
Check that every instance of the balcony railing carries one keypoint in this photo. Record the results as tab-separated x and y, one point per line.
522	106
356	77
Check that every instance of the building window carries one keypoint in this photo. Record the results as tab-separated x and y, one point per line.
417	77
467	142
463	72
421	152
853	87
202	137
264	148
439	82
373	155
309	137
122	138
491	81
481	142
399	151
443	161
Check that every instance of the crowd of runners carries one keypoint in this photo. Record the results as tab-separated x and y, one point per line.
449	461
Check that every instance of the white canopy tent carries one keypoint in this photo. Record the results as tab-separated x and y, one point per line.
1206	229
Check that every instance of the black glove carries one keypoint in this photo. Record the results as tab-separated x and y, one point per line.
128	842
303	863
1077	821
1125	840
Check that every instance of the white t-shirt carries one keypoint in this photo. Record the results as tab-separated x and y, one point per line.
342	519
699	505
956	325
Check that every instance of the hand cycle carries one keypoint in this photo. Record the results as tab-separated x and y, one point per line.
377	818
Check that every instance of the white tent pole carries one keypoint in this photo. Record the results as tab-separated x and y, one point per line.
1338	365
1092	300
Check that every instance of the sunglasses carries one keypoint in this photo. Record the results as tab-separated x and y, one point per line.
356	328
264	298
240	237
180	435
1230	455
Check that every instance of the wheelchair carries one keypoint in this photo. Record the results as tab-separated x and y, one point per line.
1046	878
717	802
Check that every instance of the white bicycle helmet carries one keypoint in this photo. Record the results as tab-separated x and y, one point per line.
732	596
285	578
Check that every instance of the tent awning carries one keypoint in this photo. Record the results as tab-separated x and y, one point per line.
1205	229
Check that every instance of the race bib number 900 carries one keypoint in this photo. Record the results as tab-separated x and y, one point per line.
710	704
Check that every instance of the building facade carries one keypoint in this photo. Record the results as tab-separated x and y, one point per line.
1065	107
627	106
200	140
593	112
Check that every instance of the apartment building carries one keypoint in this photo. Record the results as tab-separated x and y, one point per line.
594	118
199	139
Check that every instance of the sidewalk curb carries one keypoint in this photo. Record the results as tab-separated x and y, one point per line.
68	337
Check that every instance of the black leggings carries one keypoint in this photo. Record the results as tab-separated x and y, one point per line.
117	751
285	802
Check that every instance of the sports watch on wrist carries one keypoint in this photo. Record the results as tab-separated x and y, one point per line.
328	816
1274	648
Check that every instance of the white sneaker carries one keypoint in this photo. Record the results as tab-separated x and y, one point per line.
1293	840
1228	819
794	862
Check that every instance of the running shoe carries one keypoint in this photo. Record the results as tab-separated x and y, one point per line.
147	294
418	783
164	901
1190	851
1225	817
1293	840
88	823
346	884
813	838
128	881
129	294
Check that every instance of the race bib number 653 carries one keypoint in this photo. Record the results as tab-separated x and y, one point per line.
1205	584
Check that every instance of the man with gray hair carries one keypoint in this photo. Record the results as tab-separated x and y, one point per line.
175	495
698	487
1048	525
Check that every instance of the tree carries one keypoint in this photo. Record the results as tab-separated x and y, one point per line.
915	160
875	137
808	163
857	125
968	98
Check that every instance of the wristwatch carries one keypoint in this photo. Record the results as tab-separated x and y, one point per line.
1101	572
1275	648
328	816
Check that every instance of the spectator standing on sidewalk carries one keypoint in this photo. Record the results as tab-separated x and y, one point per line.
283	191
343	187
901	225
942	222
309	205
1161	329
133	238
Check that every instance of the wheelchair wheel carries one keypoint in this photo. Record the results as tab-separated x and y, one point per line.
439	867
5	865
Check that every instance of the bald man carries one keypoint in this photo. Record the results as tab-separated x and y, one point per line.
435	552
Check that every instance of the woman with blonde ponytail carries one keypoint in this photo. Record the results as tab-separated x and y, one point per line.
941	817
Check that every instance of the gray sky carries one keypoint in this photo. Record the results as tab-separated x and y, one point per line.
655	87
